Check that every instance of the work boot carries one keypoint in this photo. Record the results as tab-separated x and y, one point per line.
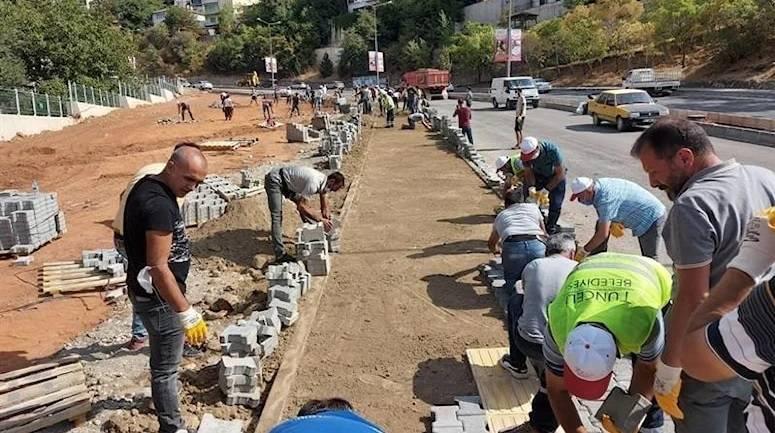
525	427
136	343
551	221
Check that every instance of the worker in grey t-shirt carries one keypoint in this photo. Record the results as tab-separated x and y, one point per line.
298	183
713	201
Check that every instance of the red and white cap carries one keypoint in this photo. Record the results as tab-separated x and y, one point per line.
590	354
529	148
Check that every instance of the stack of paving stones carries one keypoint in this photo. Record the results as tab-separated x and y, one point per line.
312	249
297	133
287	283
104	260
210	199
29	220
491	274
249	179
240	380
466	416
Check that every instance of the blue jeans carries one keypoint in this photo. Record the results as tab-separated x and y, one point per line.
469	134
516	255
166	341
138	330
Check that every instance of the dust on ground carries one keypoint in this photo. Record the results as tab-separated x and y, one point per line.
88	165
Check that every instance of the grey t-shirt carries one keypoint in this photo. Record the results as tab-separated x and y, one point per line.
708	219
303	181
650	350
541	280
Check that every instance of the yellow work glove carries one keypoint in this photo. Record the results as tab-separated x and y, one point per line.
581	254
770	215
608	425
194	326
757	251
617	230
667	387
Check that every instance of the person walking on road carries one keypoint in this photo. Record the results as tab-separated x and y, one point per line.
295	101
519	120
712	202
469	98
390	109
266	108
517	235
620	204
228	107
159	257
183	108
254	96
730	334
463	115
298	183
544	169
541	280
609	306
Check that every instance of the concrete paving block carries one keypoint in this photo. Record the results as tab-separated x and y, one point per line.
448	429
474	423
469	406
268	344
240	380
311	232
211	424
269	317
445	416
284	293
231	366
284	309
244	399
239	334
289	320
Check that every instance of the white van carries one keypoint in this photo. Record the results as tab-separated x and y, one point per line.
503	91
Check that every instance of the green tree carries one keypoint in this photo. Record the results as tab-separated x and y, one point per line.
473	48
677	21
129	14
739	27
179	19
354	59
226	20
326	66
416	54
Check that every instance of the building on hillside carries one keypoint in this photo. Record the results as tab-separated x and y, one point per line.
159	16
523	11
210	9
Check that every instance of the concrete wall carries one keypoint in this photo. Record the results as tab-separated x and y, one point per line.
167	95
84	110
12	124
156	99
127	102
491	11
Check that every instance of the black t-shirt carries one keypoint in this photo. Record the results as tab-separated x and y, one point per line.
152	206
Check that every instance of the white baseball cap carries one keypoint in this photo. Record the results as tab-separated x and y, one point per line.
590	354
529	148
579	185
501	161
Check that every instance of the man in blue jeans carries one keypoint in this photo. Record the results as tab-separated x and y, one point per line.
159	257
541	280
544	169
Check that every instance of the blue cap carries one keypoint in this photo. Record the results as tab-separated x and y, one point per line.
333	421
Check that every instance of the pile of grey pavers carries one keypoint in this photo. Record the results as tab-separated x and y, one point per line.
338	139
108	260
250	340
210	199
298	133
29	220
466	416
491	274
313	247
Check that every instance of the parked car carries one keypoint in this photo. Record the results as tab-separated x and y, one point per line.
503	91
184	82
626	108
655	83
204	85
338	85
542	85
299	86
284	91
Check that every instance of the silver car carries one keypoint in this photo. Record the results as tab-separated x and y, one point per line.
542	85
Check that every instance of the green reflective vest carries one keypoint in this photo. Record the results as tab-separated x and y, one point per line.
516	166
620	291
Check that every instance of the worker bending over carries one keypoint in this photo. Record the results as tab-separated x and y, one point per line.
544	169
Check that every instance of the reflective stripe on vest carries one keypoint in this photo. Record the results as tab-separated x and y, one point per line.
620	291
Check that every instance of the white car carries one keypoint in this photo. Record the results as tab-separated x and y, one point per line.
542	85
503	91
284	91
204	85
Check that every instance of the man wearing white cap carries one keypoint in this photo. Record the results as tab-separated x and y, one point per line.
511	169
544	169
621	202
609	306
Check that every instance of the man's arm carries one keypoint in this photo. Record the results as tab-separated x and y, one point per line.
693	286
455	113
732	290
559	176
602	231
562	405
157	252
643	378
493	241
530	177
324	211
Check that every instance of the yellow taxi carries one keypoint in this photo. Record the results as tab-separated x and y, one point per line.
626	108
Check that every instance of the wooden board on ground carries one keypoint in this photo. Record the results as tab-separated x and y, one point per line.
60	278
233	144
506	400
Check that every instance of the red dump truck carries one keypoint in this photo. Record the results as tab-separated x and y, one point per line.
432	81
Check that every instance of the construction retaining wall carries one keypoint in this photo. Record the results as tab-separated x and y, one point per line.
13	124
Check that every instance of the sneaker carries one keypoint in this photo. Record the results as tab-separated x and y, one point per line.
515	371
525	427
136	343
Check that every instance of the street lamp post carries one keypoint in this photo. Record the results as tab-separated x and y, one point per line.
271	51
376	43
508	36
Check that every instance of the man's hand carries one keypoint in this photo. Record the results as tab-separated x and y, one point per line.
581	254
193	326
327	225
667	386
757	252
326	213
608	425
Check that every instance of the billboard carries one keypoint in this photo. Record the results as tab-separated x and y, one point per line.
270	63
376	61
354	5
502	46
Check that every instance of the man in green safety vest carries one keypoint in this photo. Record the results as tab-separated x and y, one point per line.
510	168
609	306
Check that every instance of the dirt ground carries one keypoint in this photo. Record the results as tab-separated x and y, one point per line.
403	302
88	165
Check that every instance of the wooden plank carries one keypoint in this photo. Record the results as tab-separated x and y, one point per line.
59	282
69	359
44	411
68	271
43	400
68	266
74	412
39	377
69	262
506	401
59	383
86	285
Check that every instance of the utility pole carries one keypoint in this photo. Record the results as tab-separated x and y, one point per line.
272	61
376	43
508	37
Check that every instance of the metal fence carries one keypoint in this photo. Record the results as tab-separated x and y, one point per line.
91	95
15	101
